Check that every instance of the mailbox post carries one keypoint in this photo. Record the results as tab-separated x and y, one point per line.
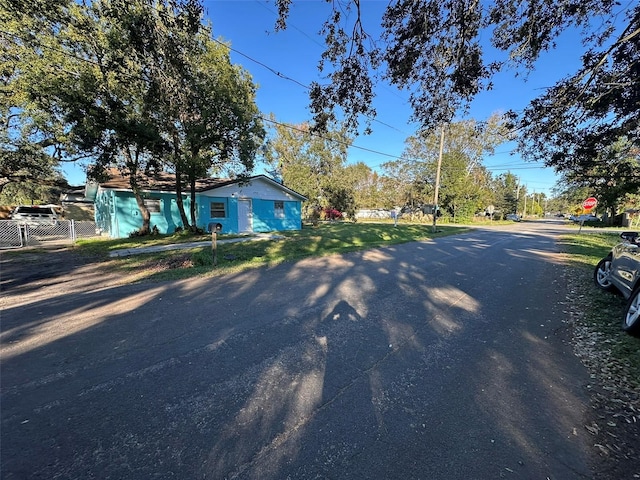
215	228
214	247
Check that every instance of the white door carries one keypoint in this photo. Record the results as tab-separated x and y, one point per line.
245	216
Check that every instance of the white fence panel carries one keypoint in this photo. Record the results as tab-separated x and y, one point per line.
11	235
15	235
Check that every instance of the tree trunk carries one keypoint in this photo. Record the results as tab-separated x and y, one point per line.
179	202
195	170
179	166
132	165
192	183
144	211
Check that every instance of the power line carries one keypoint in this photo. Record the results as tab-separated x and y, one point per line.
280	75
286	77
272	70
89	61
341	142
306	87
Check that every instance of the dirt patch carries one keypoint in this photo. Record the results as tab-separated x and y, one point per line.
49	273
182	260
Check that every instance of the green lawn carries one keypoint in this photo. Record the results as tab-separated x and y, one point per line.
323	239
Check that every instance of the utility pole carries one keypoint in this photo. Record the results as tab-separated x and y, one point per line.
437	186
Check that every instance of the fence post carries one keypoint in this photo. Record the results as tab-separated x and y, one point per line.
72	230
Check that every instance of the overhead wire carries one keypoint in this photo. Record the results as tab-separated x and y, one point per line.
284	77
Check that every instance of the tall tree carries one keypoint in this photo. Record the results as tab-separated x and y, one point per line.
133	83
88	79
30	137
433	49
587	126
365	184
506	188
611	174
313	165
206	109
409	181
464	182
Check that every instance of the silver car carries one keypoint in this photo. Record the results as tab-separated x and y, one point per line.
620	270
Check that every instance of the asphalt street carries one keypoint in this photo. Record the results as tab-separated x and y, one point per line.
445	359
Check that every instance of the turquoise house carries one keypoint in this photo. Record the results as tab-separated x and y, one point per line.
254	205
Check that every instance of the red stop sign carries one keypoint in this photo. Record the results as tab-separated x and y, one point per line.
589	203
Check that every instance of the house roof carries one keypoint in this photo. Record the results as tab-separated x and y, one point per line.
166	182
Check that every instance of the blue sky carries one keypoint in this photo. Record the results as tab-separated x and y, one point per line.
280	62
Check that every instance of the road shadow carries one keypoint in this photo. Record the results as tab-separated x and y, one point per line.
397	362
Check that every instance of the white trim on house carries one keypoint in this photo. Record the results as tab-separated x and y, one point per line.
260	187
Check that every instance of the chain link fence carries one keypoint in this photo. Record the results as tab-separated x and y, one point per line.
16	235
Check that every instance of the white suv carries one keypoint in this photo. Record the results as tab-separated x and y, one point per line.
35	215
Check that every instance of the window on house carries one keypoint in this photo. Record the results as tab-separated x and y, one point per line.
218	210
152	204
278	208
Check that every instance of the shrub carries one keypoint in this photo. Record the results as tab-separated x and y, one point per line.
329	213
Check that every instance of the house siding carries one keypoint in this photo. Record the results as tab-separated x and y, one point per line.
262	195
117	212
229	222
265	220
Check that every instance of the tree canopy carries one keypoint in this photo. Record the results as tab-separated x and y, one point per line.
465	182
314	165
434	48
131	84
437	50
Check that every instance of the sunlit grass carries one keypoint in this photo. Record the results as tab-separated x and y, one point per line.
106	245
588	249
323	239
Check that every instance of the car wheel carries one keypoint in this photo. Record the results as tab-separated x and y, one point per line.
601	274
631	319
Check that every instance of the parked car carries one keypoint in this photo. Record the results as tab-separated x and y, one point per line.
620	271
35	215
590	217
513	216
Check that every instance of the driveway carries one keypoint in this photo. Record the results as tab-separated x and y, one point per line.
445	359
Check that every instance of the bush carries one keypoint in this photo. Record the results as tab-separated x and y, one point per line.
329	213
144	233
